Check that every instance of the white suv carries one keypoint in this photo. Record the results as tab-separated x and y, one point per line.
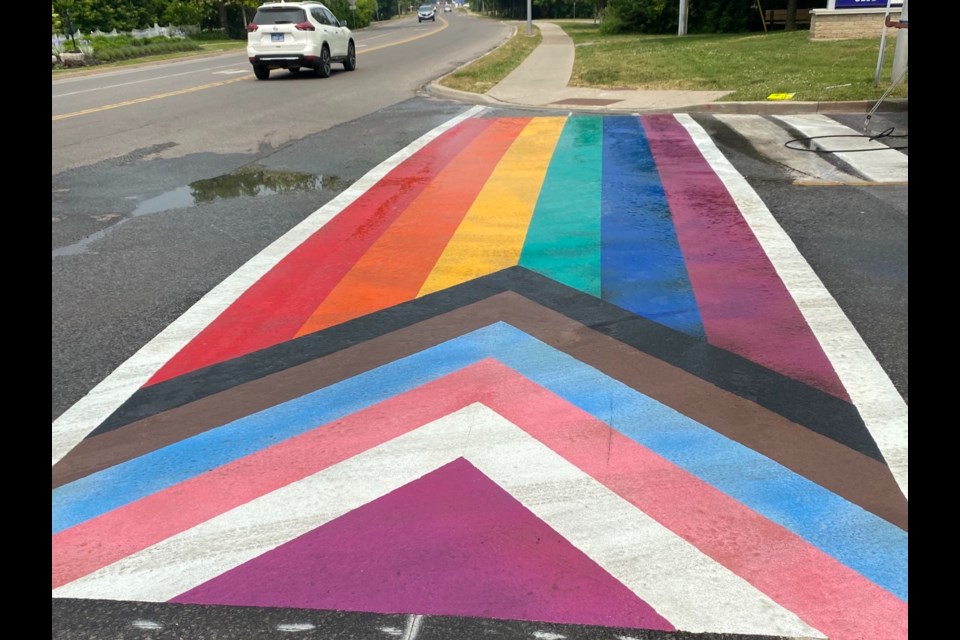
293	35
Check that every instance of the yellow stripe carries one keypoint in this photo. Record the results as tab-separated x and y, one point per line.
491	235
147	99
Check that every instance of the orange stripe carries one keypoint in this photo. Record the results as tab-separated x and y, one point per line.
396	266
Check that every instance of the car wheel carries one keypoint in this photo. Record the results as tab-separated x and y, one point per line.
294	69
323	64
351	62
261	72
419	20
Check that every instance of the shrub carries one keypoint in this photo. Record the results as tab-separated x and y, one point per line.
126	52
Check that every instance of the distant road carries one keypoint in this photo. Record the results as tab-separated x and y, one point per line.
215	104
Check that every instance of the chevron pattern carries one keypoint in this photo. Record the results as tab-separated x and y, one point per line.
533	370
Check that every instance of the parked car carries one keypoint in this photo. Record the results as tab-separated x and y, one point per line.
426	12
297	35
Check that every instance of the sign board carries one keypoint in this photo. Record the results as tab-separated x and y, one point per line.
863	4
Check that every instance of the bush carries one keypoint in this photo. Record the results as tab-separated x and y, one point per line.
663	16
126	52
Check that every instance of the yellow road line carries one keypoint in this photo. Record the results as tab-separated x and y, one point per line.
105	107
159	96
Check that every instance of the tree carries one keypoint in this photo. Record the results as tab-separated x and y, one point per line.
791	21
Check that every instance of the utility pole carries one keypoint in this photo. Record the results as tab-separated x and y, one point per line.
529	18
682	29
900	53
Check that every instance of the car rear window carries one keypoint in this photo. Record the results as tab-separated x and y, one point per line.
280	15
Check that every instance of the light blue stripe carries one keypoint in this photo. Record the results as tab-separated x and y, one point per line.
857	538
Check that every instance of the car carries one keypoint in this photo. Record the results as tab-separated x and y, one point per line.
298	35
447	8
426	12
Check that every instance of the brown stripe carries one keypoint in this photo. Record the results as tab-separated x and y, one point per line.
852	475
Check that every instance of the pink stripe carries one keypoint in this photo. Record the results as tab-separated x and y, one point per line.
744	305
824	593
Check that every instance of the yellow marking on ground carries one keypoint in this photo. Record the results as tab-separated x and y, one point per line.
491	235
423	35
159	96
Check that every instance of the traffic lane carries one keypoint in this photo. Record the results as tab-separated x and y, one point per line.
243	115
71	95
111	87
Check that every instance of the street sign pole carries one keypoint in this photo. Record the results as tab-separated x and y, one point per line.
900	53
883	44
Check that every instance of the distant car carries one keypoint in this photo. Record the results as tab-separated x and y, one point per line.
296	35
447	9
426	12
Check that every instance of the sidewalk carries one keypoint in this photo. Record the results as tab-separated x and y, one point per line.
541	82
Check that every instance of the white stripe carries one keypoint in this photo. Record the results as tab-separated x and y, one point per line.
880	163
101	401
685	586
880	405
769	139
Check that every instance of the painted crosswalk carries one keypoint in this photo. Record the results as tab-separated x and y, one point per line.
564	369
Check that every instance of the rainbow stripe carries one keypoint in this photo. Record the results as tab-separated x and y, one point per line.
622	208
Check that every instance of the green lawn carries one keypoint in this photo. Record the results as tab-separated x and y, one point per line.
750	65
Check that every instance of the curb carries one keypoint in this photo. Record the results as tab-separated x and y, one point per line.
436	90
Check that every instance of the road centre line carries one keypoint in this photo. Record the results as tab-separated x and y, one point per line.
127	103
124	84
147	99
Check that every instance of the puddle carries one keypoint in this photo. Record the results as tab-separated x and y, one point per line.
248	181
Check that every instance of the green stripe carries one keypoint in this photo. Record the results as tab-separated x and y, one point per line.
563	240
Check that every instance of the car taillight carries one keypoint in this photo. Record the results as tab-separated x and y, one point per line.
251	28
304	26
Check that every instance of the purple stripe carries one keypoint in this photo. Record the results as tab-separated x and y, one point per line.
451	543
744	305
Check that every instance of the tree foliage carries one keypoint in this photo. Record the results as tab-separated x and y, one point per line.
663	16
227	16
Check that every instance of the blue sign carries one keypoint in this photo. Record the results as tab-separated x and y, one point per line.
865	4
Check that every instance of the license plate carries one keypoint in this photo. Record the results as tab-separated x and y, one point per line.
276	37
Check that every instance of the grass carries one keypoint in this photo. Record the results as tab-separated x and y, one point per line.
752	66
481	75
207	46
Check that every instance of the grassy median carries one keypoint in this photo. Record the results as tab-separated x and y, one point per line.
481	75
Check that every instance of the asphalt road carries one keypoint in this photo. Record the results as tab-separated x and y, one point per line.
132	250
168	179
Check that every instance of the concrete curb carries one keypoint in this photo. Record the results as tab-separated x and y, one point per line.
436	90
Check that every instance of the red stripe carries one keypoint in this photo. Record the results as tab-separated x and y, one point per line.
396	266
274	308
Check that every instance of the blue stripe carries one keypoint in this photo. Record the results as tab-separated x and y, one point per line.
857	538
642	266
